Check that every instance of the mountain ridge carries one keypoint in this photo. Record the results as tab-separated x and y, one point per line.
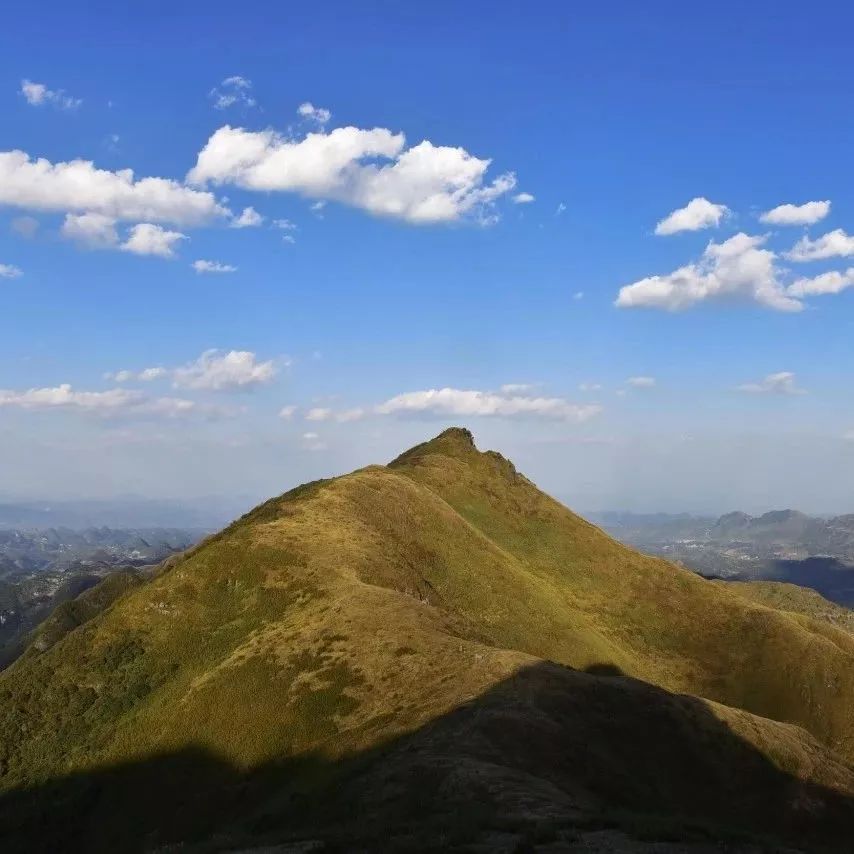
354	612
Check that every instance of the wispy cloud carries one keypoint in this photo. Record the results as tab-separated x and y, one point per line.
214	370
782	382
233	91
38	95
202	266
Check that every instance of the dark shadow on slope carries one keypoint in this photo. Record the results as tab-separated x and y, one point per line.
547	756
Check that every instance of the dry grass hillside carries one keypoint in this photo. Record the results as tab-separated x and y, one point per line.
429	654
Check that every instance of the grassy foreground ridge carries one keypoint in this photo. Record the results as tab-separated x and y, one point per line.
430	654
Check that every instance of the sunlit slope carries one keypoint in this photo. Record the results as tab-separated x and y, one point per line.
661	622
350	612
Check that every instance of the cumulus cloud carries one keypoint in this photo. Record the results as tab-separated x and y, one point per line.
466	403
319	115
10	271
149	239
827	283
699	213
834	244
737	268
641	382
116	401
805	214
38	95
782	382
523	199
98	231
218	371
372	170
77	186
248	218
213	267
287	412
232	91
319	413
93	230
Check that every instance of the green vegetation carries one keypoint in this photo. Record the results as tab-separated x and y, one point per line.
397	621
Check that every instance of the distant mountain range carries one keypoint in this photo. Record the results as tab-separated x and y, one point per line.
782	545
430	655
41	569
122	512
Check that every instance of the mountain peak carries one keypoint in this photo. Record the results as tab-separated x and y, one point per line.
453	442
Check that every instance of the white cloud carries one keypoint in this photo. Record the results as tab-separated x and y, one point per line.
806	214
367	169
523	198
834	244
148	239
315	114
560	209
218	371
641	382
232	90
466	403
78	186
697	214
287	412
827	283
116	401
10	271
97	231
319	413
288	238
38	95
590	387
214	370
213	267
150	374
736	268
285	224
248	218
782	382
93	230
147	375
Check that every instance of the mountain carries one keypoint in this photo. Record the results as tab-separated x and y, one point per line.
782	545
429	655
41	569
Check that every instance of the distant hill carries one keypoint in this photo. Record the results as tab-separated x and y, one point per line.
429	655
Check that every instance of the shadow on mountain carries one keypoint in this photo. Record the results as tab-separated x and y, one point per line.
549	757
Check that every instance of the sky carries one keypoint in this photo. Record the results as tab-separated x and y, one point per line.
246	247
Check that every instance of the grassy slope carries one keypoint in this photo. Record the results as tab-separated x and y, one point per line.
351	611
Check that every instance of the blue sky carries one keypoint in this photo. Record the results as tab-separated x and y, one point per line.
398	269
